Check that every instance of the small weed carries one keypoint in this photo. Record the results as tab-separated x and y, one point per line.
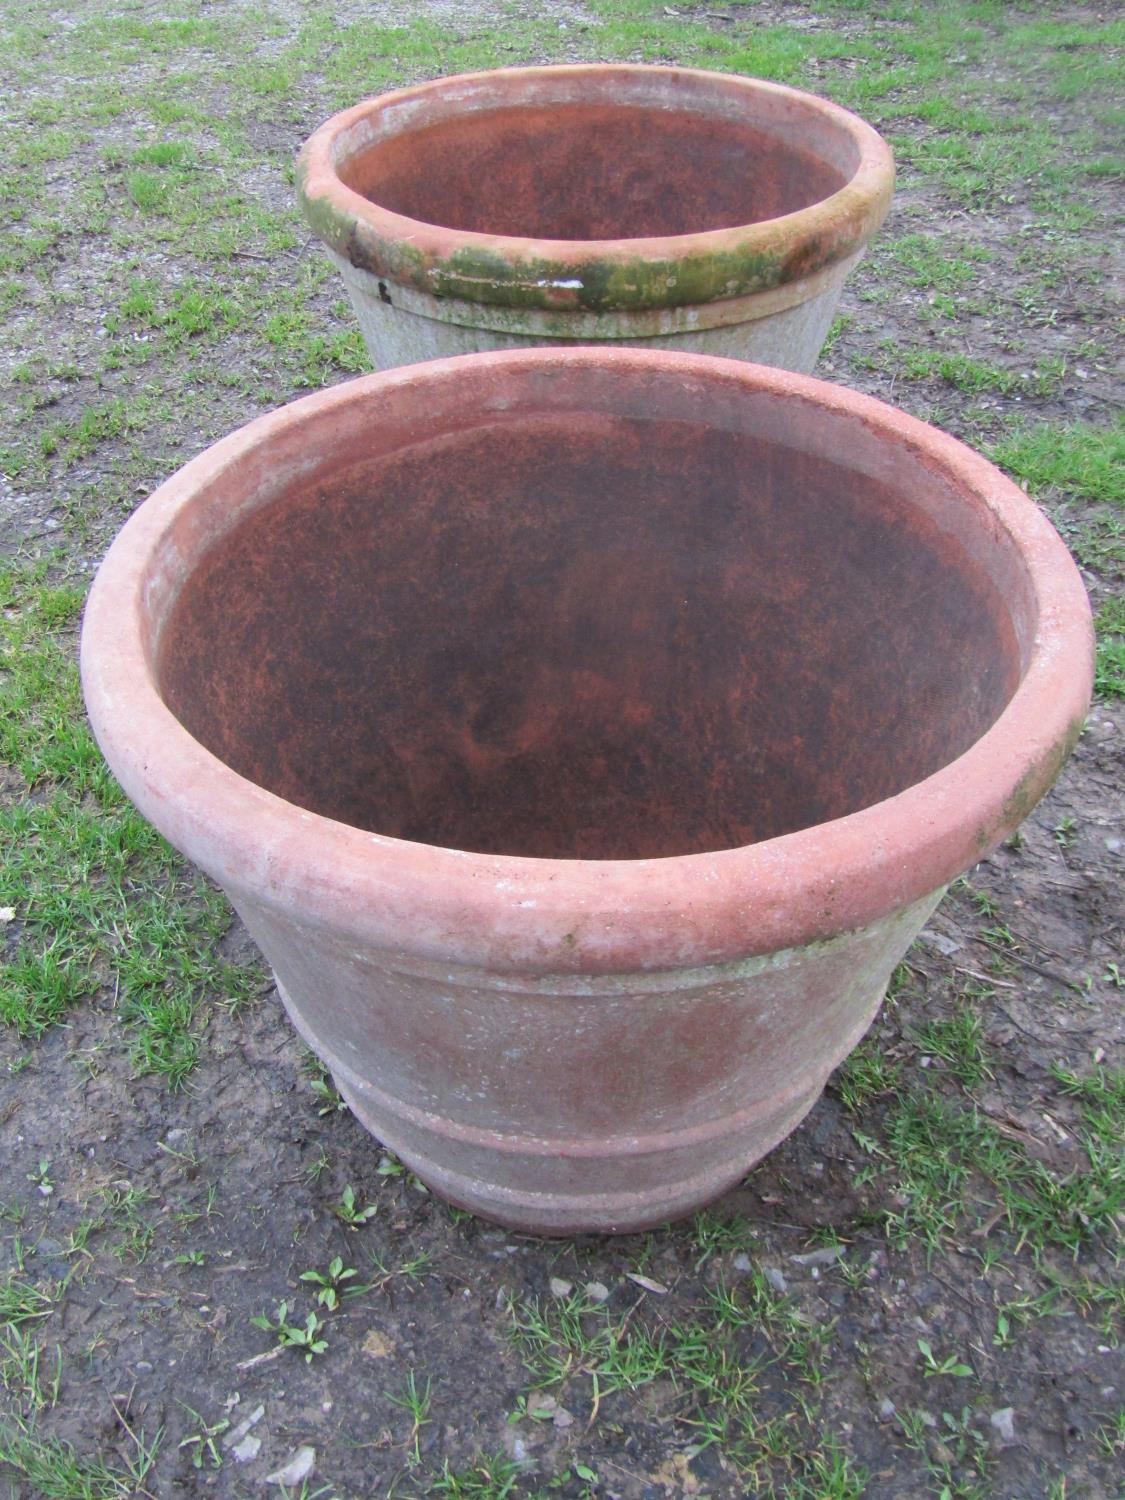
331	1283
417	1404
1066	832
20	1302
958	1042
954	1453
411	1269
123	1203
866	1075
20	1357
42	1178
201	1445
329	1101
1110	1436
490	1476
716	1233
349	1212
304	1336
950	1365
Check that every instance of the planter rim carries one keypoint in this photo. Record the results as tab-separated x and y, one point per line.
595	275
597	916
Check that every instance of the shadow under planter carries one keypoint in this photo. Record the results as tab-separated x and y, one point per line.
584	736
698	211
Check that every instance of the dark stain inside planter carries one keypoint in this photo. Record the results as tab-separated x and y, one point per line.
591	172
600	639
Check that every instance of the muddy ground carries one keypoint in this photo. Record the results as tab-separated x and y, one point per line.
904	1327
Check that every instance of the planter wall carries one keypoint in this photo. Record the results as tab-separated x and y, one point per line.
682	209
584	735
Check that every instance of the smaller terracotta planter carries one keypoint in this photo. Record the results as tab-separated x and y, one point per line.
584	735
698	211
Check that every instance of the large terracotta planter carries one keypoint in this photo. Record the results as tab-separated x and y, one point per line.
584	735
689	210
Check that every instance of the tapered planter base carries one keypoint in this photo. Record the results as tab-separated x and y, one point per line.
573	1181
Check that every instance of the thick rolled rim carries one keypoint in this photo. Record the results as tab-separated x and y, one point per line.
593	275
509	912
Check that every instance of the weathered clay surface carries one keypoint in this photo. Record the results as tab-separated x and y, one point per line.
631	203
584	735
410	327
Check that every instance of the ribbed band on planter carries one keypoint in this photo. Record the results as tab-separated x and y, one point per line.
584	735
699	211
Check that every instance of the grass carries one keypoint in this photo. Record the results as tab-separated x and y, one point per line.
1109	623
1080	459
728	1360
56	1472
102	903
1063	466
951	1171
972	376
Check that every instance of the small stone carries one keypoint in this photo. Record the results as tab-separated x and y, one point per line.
236	1434
377	1346
562	1418
299	1467
143	1367
1004	1423
742	1262
887	1409
8	913
559	1287
946	946
776	1279
243	1452
647	1283
596	1291
824	1257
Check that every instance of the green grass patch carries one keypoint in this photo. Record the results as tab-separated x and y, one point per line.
55	1471
975	376
746	1363
937	262
1109	675
1080	459
947	1163
101	902
1077	471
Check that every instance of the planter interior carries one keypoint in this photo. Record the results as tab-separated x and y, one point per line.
596	633
598	171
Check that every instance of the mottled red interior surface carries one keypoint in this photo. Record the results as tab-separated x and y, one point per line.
588	637
589	172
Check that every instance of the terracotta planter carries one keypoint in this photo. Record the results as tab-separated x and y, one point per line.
584	735
697	211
